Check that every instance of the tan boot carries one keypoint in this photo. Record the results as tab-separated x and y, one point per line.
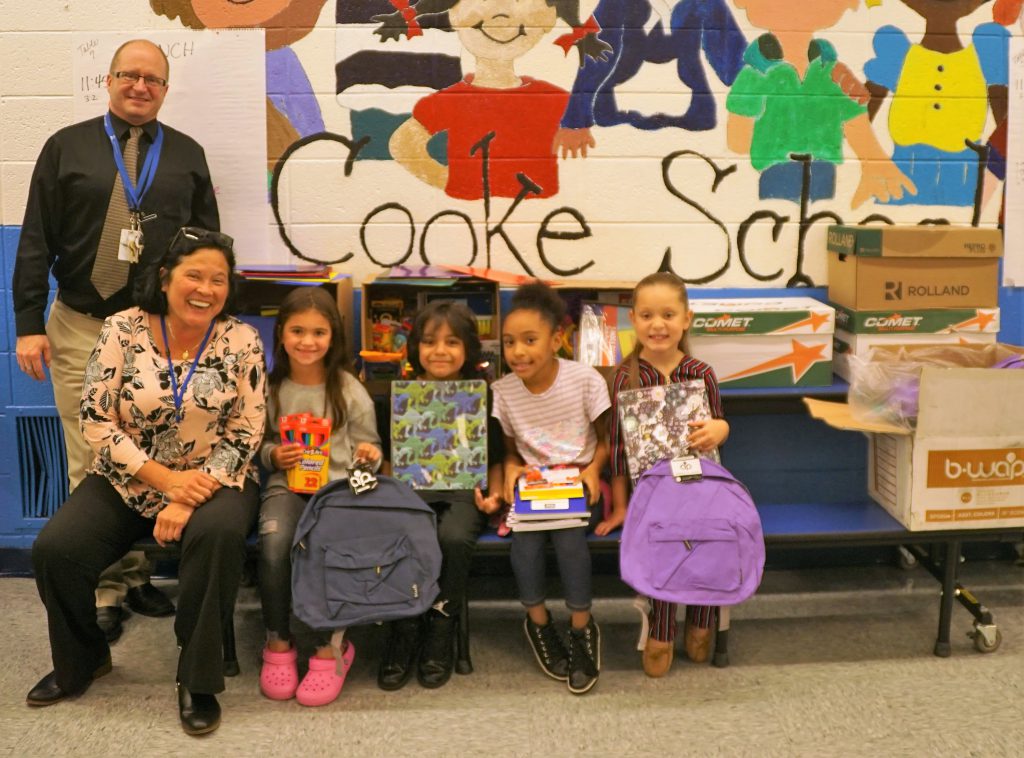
657	657
697	643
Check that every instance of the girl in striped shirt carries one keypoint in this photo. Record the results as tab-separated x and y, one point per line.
552	413
661	315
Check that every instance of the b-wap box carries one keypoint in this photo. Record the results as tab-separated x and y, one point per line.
963	465
880	267
764	342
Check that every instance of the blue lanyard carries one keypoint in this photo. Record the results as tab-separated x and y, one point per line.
133	193
179	395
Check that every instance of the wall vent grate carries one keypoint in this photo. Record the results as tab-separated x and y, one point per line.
42	465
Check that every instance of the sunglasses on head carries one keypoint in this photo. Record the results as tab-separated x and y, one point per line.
191	235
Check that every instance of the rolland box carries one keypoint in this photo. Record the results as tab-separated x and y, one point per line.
963	465
875	268
764	342
858	332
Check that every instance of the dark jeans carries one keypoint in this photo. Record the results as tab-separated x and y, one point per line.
92	529
279	515
573	555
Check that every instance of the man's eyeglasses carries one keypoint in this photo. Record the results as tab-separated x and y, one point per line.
195	234
131	77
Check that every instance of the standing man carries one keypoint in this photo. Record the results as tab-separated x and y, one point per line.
107	196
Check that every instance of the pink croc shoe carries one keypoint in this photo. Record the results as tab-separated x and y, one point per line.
322	683
279	676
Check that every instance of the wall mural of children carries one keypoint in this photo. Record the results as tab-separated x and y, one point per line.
292	109
792	104
499	124
653	31
1007	13
942	92
380	75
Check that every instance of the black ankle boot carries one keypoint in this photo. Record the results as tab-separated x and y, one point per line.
437	657
400	652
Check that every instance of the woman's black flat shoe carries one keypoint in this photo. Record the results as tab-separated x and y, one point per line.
199	713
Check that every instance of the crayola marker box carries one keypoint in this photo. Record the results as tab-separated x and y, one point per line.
310	474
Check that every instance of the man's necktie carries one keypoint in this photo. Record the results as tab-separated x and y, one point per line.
109	275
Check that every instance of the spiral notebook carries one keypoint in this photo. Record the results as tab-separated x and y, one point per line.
655	422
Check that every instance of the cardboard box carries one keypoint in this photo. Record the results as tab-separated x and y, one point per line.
764	342
917	321
857	332
846	345
879	268
963	466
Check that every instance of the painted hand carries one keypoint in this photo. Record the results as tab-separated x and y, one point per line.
883	181
572	141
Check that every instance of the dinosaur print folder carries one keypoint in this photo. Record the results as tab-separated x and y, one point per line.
655	422
439	434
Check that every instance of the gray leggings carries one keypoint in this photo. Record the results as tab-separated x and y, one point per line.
572	554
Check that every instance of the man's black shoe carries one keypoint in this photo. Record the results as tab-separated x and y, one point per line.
200	714
109	618
149	601
48	692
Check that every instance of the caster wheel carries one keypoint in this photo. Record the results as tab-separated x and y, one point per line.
982	645
906	559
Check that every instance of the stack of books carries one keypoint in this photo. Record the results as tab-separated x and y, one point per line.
301	273
549	498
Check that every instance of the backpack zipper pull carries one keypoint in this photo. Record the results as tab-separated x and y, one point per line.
688	544
377	569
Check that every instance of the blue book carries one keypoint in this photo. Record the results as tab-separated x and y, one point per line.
539	509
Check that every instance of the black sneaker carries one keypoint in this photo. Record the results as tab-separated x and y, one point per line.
400	653
584	657
548	649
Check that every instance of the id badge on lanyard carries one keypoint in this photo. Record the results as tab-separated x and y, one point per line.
131	241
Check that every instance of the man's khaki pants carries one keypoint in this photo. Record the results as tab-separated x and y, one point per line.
72	337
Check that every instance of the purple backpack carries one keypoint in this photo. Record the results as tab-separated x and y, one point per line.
697	542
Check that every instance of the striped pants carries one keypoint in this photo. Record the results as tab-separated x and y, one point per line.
663	618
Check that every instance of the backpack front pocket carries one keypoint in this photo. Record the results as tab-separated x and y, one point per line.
700	555
378	571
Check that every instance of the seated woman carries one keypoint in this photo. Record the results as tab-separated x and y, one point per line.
173	405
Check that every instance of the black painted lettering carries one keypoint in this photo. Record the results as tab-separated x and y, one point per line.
366	222
457	214
544	233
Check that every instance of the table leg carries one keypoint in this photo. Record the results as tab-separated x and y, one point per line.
952	561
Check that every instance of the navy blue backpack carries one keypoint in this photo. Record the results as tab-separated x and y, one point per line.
364	558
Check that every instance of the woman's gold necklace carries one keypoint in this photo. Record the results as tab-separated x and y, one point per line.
184	352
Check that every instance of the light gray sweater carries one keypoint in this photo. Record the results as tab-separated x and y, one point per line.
360	424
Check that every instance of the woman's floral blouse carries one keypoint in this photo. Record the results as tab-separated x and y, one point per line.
128	415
